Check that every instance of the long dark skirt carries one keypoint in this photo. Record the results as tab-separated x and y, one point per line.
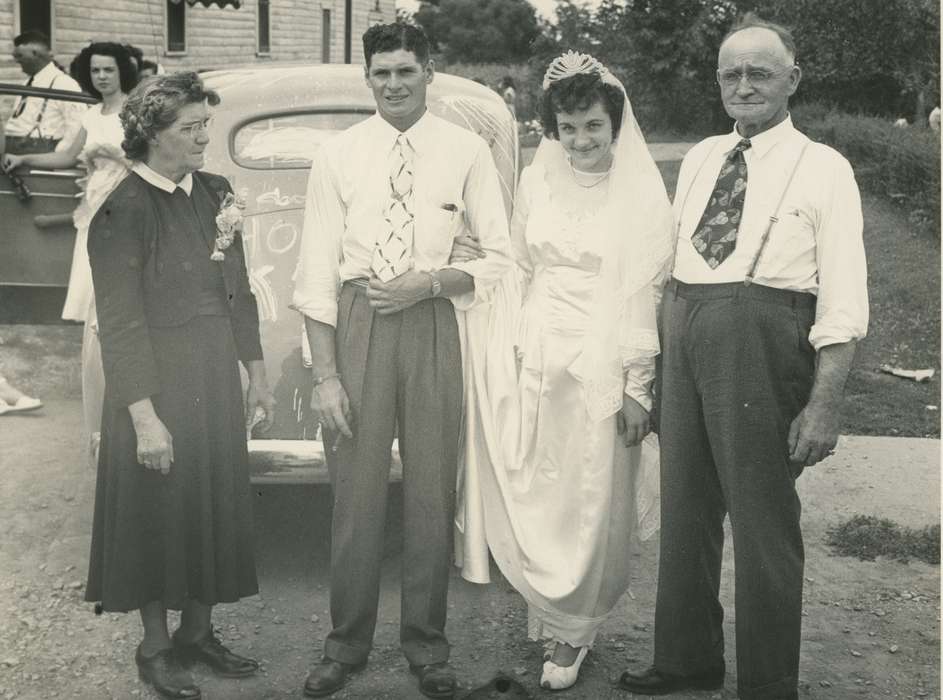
186	535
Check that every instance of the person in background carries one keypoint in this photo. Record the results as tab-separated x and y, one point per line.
105	70
12	400
40	125
508	92
172	526
758	329
148	69
933	120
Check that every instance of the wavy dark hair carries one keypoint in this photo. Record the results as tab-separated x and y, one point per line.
577	93
81	67
155	104
381	38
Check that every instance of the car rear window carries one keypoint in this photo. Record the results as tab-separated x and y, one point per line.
284	141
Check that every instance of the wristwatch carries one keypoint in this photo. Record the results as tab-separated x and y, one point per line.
436	284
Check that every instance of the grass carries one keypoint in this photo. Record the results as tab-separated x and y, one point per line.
867	537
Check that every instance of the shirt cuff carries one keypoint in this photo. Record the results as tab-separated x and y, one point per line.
638	388
822	335
321	313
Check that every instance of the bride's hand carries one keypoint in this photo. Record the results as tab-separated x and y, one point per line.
632	422
465	248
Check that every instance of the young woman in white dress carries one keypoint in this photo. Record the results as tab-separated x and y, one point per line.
105	70
557	481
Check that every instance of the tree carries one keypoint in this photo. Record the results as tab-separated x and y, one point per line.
480	31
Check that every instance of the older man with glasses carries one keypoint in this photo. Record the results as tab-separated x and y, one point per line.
759	327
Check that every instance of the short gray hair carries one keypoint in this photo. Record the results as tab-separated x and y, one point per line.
751	20
154	105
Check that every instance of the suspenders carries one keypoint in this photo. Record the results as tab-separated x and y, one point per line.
774	217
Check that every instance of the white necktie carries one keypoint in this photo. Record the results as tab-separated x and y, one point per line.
393	253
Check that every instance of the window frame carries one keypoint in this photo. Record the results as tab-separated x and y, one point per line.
18	26
238	126
170	6
327	30
267	51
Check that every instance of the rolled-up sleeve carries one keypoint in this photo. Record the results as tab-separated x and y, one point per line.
487	219
117	248
317	277
841	312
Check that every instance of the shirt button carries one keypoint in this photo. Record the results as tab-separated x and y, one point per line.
160	267
187	266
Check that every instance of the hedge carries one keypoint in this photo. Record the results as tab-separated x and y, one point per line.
902	164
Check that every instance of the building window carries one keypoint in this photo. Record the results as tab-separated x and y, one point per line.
35	16
176	26
265	27
325	36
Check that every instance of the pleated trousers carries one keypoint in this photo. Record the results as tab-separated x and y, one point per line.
403	376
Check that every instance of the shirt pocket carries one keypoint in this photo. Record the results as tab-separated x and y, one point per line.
437	224
791	242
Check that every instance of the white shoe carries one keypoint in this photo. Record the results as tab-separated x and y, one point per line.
562	677
24	403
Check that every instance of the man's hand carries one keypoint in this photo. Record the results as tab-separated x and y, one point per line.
399	293
331	407
813	434
12	161
465	248
632	422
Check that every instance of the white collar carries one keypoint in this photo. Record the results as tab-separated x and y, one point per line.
417	135
48	73
153	177
763	142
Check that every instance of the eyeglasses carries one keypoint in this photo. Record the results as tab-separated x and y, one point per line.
757	77
194	129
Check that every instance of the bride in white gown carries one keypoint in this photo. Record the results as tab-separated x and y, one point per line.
557	479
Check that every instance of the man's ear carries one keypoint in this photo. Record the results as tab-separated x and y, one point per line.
796	78
429	71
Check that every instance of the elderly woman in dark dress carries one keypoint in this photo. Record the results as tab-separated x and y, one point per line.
172	525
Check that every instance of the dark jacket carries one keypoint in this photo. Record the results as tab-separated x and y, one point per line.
148	250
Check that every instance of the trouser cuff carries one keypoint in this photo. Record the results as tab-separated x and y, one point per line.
346	654
784	689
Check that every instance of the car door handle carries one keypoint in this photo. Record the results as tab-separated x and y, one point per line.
51	220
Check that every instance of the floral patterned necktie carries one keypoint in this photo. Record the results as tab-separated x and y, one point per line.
393	252
716	235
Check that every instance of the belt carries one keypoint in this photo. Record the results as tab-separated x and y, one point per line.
728	290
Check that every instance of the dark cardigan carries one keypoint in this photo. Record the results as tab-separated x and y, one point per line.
149	252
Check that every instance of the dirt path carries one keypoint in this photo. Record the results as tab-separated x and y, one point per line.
871	629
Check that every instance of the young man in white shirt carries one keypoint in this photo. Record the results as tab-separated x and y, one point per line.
36	122
759	327
385	200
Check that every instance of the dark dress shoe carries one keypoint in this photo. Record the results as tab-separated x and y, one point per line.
210	651
328	677
435	680
165	674
654	682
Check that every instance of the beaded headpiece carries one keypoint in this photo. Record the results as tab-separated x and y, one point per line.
572	63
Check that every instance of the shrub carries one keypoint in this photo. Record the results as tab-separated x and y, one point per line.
900	163
867	537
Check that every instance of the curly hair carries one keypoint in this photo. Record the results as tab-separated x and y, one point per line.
577	93
155	104
381	38
81	66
